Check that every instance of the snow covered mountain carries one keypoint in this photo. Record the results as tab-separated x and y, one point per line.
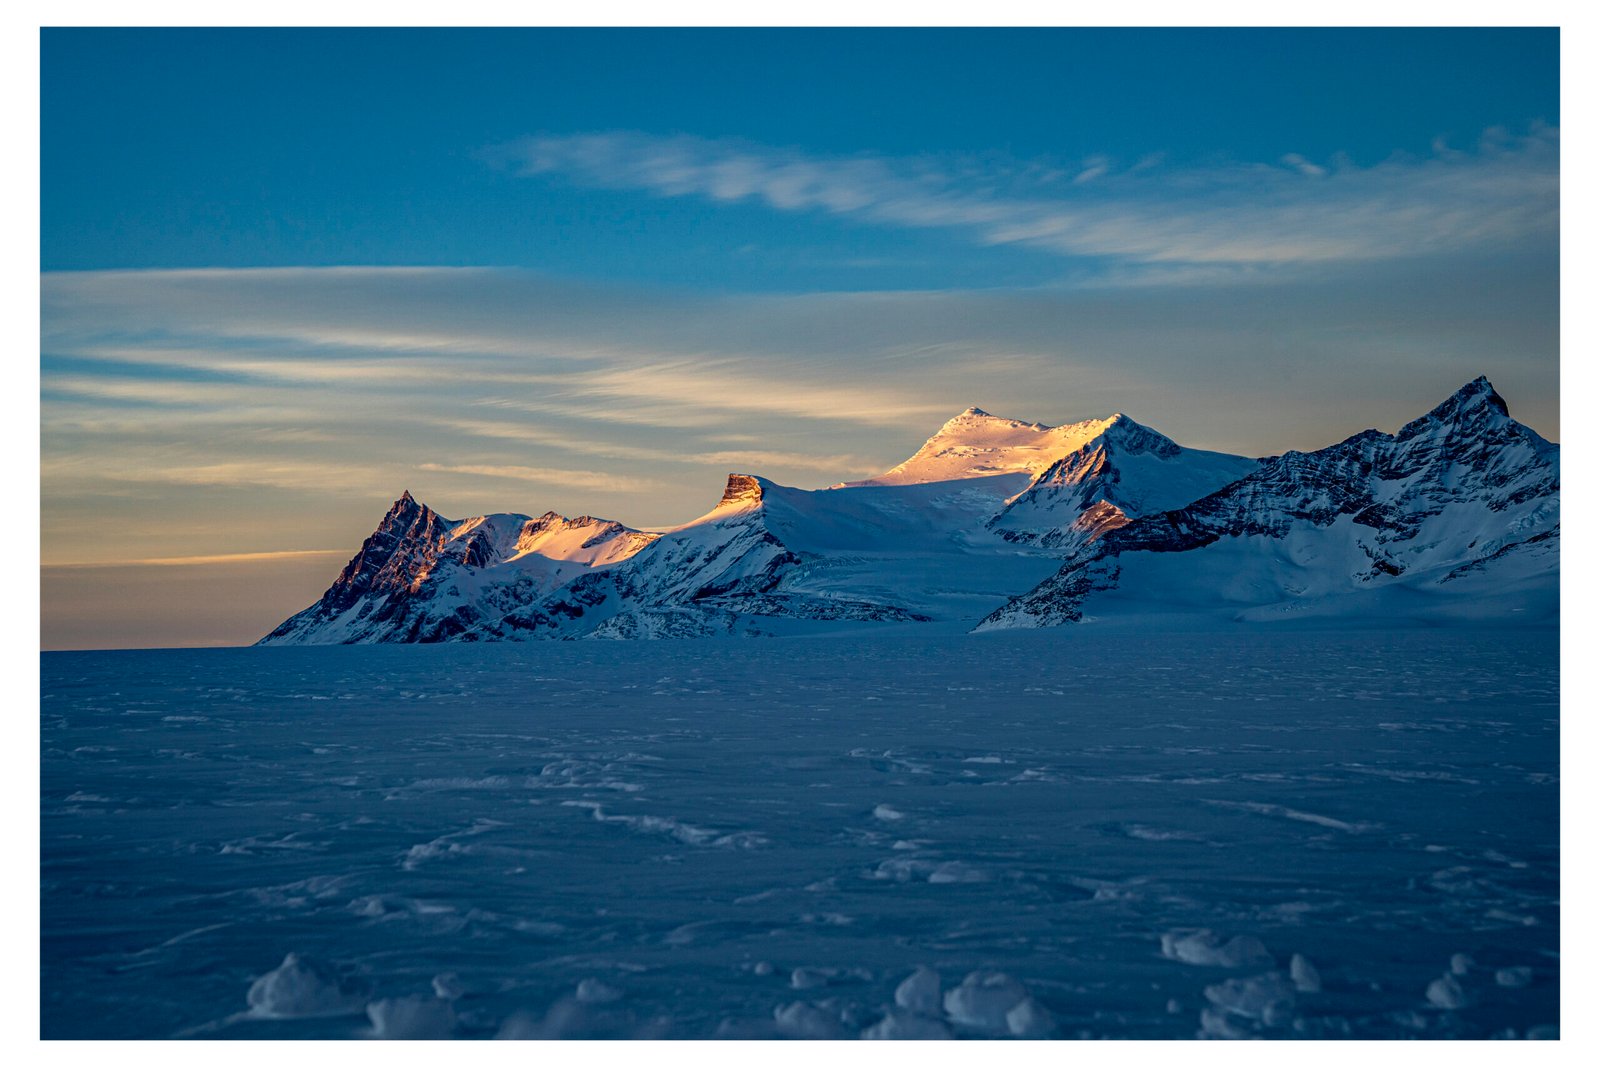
422	577
1456	515
1120	470
976	444
974	529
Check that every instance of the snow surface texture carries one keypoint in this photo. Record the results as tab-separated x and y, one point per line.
1050	834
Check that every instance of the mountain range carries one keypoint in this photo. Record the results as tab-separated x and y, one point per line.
996	523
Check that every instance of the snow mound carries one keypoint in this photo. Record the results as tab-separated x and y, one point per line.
919	993
1447	993
1029	1019
1264	998
810	977
803	1020
302	988
1206	948
984	1000
1304	975
1513	977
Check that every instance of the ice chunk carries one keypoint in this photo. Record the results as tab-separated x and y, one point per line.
919	994
1544	1032
594	991
1030	1019
887	814
807	1021
906	1026
1205	948
448	986
1264	998
302	988
1461	963
762	969
1447	993
982	1001
1304	975
412	1018
1513	977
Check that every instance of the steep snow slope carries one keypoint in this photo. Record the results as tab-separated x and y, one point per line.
1456	515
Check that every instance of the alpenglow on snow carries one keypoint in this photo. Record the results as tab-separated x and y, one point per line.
996	523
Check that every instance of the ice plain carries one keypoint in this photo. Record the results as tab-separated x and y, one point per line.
1263	831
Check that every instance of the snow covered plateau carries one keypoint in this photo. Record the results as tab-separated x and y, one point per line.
1282	831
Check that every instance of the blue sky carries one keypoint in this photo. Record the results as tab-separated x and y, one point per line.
250	148
288	274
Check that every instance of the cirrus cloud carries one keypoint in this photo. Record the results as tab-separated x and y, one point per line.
1506	192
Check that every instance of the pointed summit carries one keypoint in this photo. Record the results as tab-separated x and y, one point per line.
403	510
977	417
1473	404
1475	393
1136	438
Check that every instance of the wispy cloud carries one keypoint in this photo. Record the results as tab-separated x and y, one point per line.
178	468
202	561
220	411
1297	211
526	433
599	481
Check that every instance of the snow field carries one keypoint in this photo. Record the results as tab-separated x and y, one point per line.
1282	835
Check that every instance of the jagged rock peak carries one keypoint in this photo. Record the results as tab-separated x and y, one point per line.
1471	405
1475	394
742	489
404	510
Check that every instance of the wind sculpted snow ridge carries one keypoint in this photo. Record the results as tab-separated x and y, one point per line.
1457	514
1001	523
